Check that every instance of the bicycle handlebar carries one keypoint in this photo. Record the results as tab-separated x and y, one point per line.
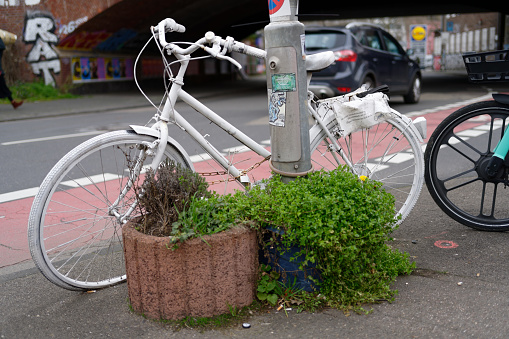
228	44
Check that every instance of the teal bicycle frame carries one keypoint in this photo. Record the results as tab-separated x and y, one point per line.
502	147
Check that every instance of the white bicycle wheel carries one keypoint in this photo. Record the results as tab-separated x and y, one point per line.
74	237
388	152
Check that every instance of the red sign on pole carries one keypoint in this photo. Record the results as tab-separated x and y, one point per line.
275	5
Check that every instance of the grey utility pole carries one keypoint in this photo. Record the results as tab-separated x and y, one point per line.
287	90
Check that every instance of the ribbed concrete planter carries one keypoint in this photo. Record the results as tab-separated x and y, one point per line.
194	280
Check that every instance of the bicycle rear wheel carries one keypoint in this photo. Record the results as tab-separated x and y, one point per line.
74	237
388	152
456	157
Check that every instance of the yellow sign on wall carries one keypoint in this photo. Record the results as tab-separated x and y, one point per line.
418	33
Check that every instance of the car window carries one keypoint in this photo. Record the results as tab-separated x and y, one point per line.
392	45
369	38
324	40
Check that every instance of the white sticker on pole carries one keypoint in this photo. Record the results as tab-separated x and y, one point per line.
277	108
279	8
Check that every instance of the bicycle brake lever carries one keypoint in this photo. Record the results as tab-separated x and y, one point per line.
233	61
216	53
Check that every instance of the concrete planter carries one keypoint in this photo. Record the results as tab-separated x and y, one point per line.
194	280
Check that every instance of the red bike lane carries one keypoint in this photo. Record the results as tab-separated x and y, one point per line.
14	214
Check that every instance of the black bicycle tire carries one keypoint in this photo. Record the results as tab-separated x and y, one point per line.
431	154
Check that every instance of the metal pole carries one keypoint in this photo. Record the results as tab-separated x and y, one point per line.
287	90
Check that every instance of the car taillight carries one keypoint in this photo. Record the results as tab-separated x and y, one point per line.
345	55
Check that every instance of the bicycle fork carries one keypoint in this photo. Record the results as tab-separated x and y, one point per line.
134	174
500	153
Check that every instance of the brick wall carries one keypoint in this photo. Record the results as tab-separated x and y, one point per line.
39	25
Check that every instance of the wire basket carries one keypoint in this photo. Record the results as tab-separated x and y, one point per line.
487	66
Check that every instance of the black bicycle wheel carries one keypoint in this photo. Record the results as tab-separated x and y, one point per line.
456	158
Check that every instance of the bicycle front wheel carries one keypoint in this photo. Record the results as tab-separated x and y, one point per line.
388	152
456	157
74	229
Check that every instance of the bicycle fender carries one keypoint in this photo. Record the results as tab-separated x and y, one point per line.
143	130
417	126
501	98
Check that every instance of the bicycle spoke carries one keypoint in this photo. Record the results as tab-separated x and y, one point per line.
464	173
493	203
79	242
385	152
456	166
461	185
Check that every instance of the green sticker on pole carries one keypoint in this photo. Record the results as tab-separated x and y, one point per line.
284	82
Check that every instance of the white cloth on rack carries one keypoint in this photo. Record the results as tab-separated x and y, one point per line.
354	113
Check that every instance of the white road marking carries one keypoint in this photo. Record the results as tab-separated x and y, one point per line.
21	194
56	137
89	180
30	192
449	106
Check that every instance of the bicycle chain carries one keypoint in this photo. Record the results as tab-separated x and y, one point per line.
231	178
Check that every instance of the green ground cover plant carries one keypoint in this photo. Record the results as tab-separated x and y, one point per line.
342	225
37	91
175	203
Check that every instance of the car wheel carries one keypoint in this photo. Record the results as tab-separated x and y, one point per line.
368	82
414	93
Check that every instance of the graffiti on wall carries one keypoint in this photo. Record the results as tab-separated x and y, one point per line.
83	41
86	69
12	3
97	41
65	29
39	31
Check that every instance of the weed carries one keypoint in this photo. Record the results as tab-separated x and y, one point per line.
36	91
164	195
343	226
234	317
268	286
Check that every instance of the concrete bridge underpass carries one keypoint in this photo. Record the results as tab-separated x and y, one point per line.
95	41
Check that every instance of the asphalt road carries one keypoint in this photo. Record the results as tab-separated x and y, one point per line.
459	290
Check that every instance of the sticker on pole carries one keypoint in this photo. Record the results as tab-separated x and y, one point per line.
285	82
279	8
277	108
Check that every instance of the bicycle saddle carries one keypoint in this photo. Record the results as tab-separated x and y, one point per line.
317	62
501	98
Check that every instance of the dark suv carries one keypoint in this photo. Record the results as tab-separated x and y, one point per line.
365	54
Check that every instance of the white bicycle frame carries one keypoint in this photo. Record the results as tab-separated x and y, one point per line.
170	115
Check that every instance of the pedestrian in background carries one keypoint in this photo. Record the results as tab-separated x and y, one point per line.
4	90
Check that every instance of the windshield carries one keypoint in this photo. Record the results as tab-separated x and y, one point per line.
324	40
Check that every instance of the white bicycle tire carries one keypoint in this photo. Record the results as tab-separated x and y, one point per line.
46	202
